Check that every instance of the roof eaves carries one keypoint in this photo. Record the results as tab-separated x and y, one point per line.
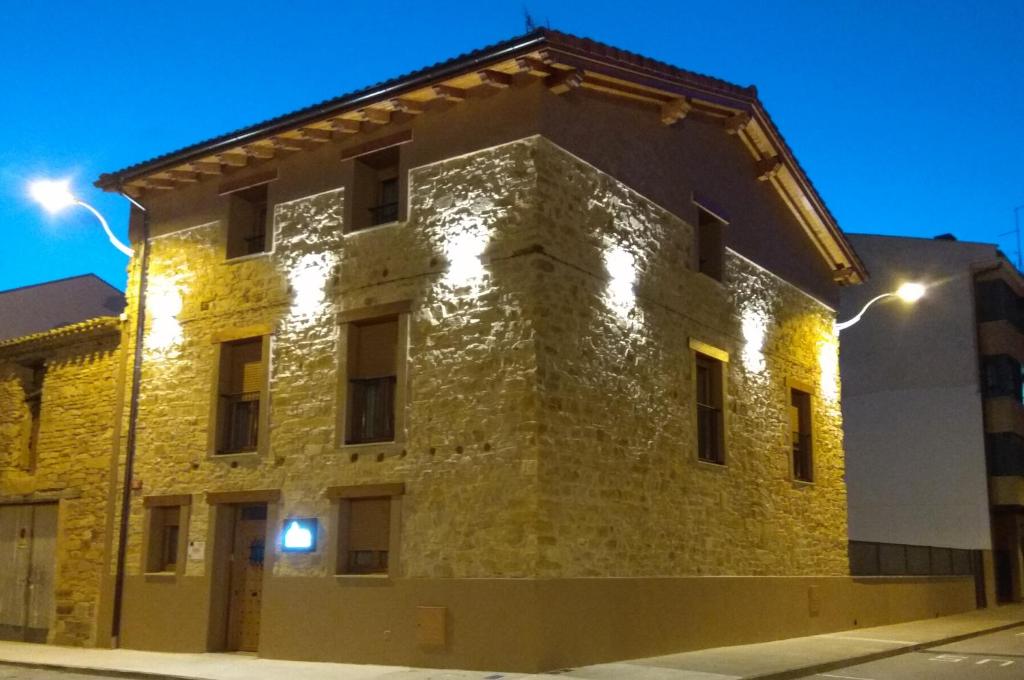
96	326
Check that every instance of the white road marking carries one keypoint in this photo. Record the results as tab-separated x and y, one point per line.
866	639
948	658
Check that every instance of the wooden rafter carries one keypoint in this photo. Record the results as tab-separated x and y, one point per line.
675	110
737	123
258	151
282	143
207	167
158	183
183	175
452	94
345	126
768	168
534	67
561	82
495	79
372	115
315	134
235	159
406	106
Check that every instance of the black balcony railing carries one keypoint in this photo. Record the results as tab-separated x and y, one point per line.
372	409
367	561
802	466
384	213
240	419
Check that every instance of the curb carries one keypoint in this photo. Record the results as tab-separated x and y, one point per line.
804	671
99	672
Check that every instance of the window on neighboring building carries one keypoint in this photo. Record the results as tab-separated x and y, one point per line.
1001	376
241	384
710	244
34	406
376	191
710	444
800	427
164	536
372	377
247	222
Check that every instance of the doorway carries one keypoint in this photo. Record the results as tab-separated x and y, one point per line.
245	577
28	536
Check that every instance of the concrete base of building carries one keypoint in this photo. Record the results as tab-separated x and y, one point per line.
528	625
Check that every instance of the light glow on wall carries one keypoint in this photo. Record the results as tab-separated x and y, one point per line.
828	363
463	248
621	266
308	279
164	303
754	326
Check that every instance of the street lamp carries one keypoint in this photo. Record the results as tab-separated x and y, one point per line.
55	195
908	292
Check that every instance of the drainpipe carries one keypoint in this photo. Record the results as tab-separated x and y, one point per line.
133	417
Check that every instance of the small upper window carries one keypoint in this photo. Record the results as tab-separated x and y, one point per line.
710	244
376	192
34	405
710	444
800	426
247	222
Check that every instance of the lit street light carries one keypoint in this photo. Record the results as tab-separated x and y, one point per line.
908	292
55	195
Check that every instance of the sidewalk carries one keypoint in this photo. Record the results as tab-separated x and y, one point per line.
779	660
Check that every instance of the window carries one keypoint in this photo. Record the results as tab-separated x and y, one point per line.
710	445
367	531
800	427
372	379
34	406
376	192
241	384
164	546
710	244
247	222
1001	376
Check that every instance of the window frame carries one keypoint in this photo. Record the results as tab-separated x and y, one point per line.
702	351
795	386
709	225
400	311
357	190
341	498
220	340
231	192
153	535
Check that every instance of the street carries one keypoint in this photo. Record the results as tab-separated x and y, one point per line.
996	656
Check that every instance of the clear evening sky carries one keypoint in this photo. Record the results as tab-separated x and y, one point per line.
908	115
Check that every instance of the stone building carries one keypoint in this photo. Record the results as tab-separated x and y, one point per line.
58	398
505	363
933	416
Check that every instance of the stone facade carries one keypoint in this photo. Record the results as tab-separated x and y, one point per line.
72	463
549	429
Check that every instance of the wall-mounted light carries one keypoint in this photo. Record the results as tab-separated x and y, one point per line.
299	535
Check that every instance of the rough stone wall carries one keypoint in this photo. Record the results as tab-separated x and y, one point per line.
549	424
622	492
469	459
73	461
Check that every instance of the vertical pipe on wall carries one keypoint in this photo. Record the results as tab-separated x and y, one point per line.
133	415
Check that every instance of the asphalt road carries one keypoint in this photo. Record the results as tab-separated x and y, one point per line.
997	656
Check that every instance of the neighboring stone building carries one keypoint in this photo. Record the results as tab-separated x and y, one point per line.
58	402
495	365
933	416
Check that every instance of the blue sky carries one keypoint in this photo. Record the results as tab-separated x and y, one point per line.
908	116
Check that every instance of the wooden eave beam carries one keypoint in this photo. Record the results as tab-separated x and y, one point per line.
258	151
561	82
675	110
345	126
737	123
452	94
406	106
186	176
233	158
534	67
288	144
769	167
378	116
208	167
158	183
315	134
495	79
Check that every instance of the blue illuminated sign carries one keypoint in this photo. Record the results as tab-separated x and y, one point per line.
299	535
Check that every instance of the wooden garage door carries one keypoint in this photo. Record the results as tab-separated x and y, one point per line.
28	535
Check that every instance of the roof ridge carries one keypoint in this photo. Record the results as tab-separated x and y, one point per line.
61	280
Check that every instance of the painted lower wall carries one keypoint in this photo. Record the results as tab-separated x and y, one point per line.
531	625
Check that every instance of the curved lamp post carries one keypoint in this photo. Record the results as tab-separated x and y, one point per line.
908	292
55	195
